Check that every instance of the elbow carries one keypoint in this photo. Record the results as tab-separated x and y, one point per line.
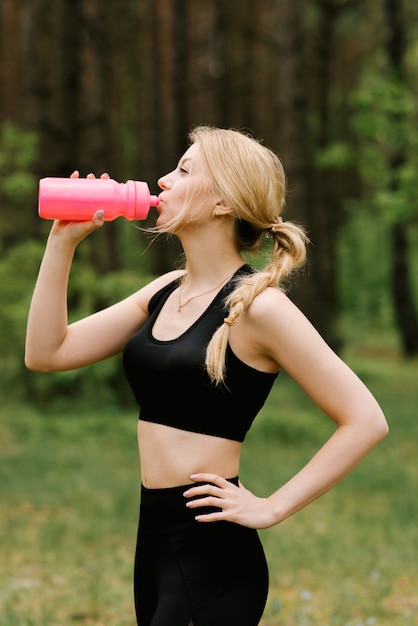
384	429
379	426
30	360
35	364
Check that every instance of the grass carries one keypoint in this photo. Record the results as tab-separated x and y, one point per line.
69	483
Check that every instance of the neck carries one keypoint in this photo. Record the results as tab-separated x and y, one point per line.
210	261
207	275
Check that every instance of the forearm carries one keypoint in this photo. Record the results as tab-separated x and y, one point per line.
48	317
340	454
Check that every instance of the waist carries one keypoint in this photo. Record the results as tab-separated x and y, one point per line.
165	508
169	456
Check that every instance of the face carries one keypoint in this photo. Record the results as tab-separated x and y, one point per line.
185	191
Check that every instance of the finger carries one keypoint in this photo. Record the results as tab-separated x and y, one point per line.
90	175
98	217
201	490
215	479
75	174
213	503
105	175
205	501
211	517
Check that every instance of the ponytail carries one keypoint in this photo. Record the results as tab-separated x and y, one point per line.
287	255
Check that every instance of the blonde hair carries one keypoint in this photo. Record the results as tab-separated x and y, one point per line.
249	178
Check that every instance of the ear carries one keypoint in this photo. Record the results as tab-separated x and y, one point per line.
221	209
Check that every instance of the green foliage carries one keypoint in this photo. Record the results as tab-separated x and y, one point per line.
337	156
88	290
18	150
385	116
364	258
18	268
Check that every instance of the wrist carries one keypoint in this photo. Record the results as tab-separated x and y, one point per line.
70	234
279	511
62	238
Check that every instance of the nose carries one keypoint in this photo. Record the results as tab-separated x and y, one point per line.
164	182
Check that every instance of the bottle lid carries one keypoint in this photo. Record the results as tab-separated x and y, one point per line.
143	200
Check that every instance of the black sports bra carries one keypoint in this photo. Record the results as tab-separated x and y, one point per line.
170	382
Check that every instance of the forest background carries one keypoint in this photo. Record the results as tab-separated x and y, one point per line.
330	85
115	85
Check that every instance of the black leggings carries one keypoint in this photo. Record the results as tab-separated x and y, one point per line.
190	573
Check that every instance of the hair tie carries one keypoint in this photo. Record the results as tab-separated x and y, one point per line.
276	225
229	321
274	228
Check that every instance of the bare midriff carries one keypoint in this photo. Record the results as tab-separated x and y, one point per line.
169	456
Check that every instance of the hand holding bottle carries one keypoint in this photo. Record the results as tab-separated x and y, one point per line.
77	230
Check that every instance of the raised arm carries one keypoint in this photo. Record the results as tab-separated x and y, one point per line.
52	344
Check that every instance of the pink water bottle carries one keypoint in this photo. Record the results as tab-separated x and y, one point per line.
78	199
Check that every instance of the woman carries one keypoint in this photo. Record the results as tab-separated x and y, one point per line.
202	348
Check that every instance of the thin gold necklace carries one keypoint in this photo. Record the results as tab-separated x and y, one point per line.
199	295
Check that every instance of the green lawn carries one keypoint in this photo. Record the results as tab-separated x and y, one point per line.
69	482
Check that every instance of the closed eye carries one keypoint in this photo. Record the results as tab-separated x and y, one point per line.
181	165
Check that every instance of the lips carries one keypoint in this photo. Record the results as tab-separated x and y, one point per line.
160	200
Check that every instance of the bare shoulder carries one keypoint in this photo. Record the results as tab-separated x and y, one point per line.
282	330
261	337
273	307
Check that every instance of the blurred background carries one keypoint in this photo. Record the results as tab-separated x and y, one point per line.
116	85
330	85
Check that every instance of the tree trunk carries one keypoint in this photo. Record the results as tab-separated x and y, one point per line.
402	294
328	213
292	143
405	311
